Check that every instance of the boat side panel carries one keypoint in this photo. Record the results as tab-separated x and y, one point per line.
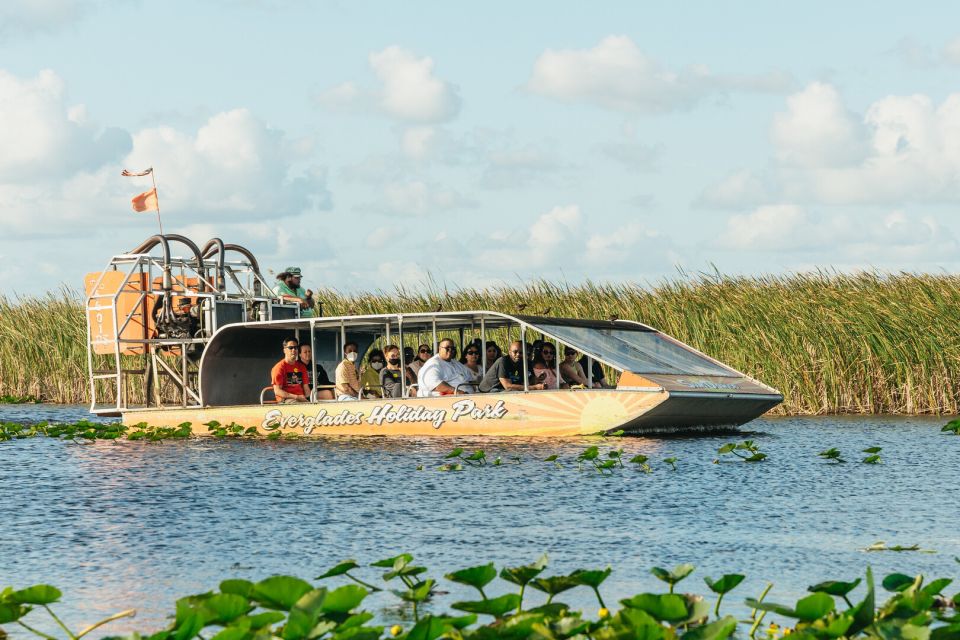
543	413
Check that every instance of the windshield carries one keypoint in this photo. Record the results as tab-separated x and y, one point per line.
639	350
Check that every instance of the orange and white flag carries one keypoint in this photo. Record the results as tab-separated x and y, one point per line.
146	201
136	174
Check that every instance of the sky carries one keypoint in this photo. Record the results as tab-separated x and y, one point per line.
389	144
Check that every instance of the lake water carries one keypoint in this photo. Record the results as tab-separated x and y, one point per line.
133	524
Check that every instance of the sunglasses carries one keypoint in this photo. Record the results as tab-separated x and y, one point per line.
290	346
425	351
473	353
547	353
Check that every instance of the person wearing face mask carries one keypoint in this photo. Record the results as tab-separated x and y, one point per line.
346	380
390	375
370	374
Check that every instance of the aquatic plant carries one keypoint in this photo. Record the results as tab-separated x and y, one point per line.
869	342
874	457
290	608
952	427
27	399
748	451
832	454
672	461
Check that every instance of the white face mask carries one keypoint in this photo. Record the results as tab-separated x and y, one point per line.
352	356
377	366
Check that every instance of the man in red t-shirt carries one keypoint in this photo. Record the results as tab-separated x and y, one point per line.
289	376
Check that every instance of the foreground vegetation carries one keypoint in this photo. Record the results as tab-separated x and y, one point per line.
867	343
293	609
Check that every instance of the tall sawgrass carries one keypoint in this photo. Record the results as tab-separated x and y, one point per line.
832	343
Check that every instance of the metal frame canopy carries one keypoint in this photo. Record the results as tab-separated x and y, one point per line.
237	360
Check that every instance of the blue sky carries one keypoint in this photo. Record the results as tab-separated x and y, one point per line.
376	143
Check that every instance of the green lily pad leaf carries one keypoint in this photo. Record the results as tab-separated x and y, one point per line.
280	592
520	625
304	614
355	620
757	457
360	633
454	454
896	582
773	607
343	599
679	572
552	458
591	577
37	594
339	569
428	628
937	586
391	562
418	593
226	607
814	606
233	632
477	577
191	621
552	610
666	607
864	613
727	448
260	620
495	607
725	584
238	587
554	584
716	630
835	587
11	612
524	574
639	459
873	450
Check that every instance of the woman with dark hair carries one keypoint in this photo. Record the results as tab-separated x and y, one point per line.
370	375
471	360
493	353
545	364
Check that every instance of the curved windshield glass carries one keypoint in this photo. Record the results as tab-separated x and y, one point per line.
639	351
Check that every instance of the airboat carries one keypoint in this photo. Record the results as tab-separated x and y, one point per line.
174	340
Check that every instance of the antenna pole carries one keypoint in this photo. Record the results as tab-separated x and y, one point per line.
153	176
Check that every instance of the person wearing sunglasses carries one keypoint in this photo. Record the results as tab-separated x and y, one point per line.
442	375
471	360
507	373
289	376
423	354
545	364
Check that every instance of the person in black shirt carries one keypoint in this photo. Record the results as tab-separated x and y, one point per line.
599	380
391	374
507	373
306	357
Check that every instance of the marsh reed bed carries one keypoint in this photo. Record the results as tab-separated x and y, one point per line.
831	343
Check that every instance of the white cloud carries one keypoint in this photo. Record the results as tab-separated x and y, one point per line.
840	237
616	74
741	188
416	197
408	91
817	130
59	169
625	244
903	149
42	136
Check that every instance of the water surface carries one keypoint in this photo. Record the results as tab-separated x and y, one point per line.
135	524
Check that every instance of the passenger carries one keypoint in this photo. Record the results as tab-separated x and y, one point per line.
442	375
347	382
570	369
289	376
370	375
507	372
471	360
494	352
599	378
290	290
423	354
390	375
546	364
323	380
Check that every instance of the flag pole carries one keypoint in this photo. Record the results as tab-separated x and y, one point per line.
156	194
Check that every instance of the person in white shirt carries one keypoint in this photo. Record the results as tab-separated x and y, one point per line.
441	375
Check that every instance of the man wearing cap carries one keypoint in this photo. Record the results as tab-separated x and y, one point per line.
290	290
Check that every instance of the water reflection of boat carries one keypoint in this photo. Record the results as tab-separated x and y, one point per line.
661	383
